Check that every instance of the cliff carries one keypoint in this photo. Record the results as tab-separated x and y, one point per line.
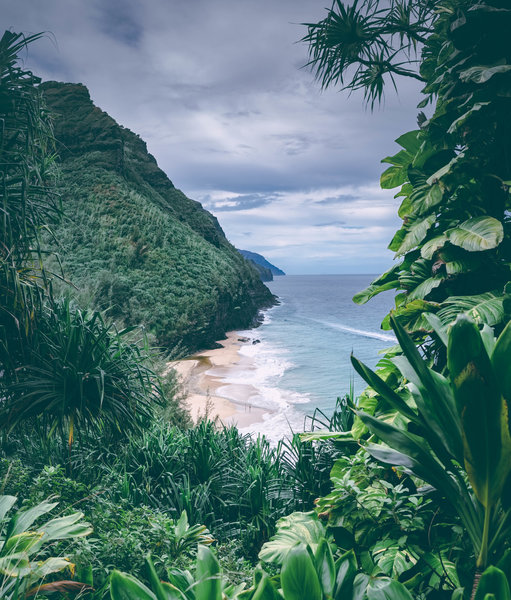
134	244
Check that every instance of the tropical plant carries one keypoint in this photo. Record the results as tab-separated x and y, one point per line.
79	373
452	429
24	564
304	574
453	172
27	197
369	42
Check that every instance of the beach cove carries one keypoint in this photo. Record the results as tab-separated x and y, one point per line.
207	392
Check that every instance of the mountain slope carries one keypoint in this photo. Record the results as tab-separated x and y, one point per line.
260	260
131	241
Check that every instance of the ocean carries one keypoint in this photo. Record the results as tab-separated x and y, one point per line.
299	358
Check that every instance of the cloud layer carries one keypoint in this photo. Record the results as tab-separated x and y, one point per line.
217	91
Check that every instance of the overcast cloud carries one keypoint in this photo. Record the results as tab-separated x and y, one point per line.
216	90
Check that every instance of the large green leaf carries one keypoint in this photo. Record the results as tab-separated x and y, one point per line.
425	287
483	308
63	528
477	234
486	438
501	362
23	519
372	290
346	567
413	234
430	247
434	398
387	589
6	503
208	575
298	577
265	590
325	567
296	527
384	390
482	73
493	581
127	587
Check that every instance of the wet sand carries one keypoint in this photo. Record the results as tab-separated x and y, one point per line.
207	393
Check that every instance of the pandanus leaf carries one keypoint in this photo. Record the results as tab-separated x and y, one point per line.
484	414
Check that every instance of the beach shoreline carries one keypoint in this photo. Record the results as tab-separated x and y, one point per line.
201	377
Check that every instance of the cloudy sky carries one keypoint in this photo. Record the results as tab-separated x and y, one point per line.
216	89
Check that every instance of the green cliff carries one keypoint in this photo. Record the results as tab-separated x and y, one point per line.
133	244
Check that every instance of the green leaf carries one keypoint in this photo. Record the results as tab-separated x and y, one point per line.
460	121
486	438
340	436
410	141
482	73
501	362
493	581
15	565
414	234
298	577
156	585
325	566
437	326
265	590
346	567
425	197
429	248
127	587
372	290
387	589
6	503
392	177
483	308
66	527
384	390
208	575
393	560
477	234
360	584
425	288
434	398
22	542
296	527
23	519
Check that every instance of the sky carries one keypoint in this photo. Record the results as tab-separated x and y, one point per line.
218	91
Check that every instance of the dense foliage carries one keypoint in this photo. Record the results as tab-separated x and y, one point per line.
136	246
409	500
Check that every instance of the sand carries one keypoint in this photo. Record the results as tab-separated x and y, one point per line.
201	378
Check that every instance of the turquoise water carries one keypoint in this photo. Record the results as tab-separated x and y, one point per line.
301	356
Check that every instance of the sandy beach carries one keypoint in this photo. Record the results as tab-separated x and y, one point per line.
201	377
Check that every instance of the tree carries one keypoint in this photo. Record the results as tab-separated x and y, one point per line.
454	172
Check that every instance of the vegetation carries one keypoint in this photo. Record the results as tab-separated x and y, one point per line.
134	245
405	491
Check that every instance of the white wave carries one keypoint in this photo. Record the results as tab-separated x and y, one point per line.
386	337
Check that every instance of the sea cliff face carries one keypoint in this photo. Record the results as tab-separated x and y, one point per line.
134	244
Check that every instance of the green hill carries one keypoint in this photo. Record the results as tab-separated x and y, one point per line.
131	241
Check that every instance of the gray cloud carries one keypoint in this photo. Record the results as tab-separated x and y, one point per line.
217	92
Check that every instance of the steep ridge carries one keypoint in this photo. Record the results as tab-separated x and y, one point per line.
131	241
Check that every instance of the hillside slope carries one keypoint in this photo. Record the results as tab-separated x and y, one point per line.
131	241
259	259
